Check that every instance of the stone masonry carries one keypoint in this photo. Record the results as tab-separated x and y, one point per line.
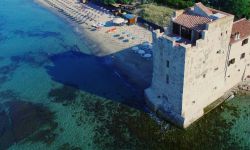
202	55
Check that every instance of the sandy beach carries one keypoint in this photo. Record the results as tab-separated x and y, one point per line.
118	44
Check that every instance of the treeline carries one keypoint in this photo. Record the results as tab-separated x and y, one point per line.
177	4
240	8
115	1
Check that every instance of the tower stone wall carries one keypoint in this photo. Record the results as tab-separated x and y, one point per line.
188	78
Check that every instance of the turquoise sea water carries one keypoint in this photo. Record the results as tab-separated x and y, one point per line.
55	95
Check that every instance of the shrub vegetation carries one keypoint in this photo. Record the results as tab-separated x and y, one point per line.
152	12
160	15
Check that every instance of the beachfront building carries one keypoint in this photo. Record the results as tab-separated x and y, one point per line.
200	57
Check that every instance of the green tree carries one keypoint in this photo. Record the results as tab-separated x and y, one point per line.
179	4
109	1
126	1
240	8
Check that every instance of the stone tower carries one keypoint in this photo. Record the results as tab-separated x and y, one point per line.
191	63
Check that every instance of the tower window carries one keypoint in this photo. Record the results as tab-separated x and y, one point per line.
167	64
244	42
167	79
242	56
218	52
232	61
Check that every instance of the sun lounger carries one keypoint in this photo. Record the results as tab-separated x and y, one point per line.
111	30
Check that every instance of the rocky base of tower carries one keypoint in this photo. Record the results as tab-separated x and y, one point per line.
157	105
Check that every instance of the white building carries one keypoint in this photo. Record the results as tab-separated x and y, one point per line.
201	56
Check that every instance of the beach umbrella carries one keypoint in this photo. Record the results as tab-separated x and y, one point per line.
141	52
150	47
146	44
147	56
100	24
118	21
135	48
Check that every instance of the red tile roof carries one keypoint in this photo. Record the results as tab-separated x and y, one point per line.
242	27
204	8
192	21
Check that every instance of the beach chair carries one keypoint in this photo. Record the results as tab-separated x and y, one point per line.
111	30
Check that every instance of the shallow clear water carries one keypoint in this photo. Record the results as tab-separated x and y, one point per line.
55	95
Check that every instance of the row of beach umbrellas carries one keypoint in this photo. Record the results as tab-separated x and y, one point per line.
142	52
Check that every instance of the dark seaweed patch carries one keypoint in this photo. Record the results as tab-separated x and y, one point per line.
65	94
35	33
118	125
20	120
71	47
9	95
67	146
8	69
43	34
45	135
37	59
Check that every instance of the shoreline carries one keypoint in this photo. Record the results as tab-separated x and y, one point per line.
79	30
134	69
140	76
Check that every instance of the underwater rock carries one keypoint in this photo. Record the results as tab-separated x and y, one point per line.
9	95
46	136
4	119
23	120
65	94
6	135
67	146
61	129
5	70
